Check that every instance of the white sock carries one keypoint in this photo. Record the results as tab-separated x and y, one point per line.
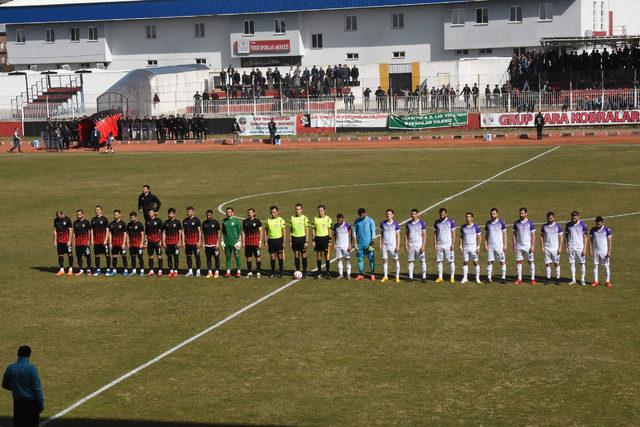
424	269
440	270
572	267
557	272
348	262
385	269
489	271
410	269
532	267
465	270
452	267
397	268
607	272
548	271
583	271
519	270
595	272
503	267
340	267
478	272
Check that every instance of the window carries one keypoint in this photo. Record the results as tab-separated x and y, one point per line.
198	30
515	14
74	34
248	27
397	20
279	26
519	51
545	12
462	52
351	23
485	51
353	56
85	65
151	31
482	15
92	34
49	35
601	15
398	55
152	62
20	36
457	17
316	41
201	61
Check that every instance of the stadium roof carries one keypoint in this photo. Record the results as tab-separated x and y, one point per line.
31	11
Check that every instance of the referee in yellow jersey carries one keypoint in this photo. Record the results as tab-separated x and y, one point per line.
275	228
299	226
321	229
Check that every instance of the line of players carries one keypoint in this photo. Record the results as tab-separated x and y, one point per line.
112	239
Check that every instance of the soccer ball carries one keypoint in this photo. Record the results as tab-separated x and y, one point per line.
297	275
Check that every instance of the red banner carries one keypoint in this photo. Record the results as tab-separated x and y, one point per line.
261	46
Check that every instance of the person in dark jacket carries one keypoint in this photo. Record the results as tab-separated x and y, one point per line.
95	139
22	380
273	130
539	122
147	202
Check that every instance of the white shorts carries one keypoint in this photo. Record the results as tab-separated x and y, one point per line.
600	258
575	255
415	252
551	255
469	254
389	252
343	252
444	253
495	254
522	254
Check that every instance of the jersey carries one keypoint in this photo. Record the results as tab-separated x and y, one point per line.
414	232
551	233
341	235
99	225
251	229
171	228
190	227
211	232
364	230
62	227
495	233
600	239
298	225
574	233
275	227
523	230
389	233
231	230
153	228
469	235
134	230
322	225
443	229
117	230
81	232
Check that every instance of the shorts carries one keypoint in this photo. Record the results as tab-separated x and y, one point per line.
389	251
82	250
100	250
63	249
600	258
172	250
343	252
231	251
135	251
415	252
154	248
275	245
576	255
297	244
522	254
212	251
469	254
192	250
444	253
495	254
551	255
252	250
321	243
118	250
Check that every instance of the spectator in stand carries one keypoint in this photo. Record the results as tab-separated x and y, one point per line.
355	74
475	92
197	102
223	80
466	94
487	96
380	99
205	100
366	95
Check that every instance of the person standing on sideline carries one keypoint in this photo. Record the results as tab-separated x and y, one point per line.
364	231
95	139
16	141
273	130
539	122
22	380
236	130
148	202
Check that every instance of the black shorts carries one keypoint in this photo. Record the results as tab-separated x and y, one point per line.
297	244
135	251
63	249
275	245
192	250
82	250
252	250
154	248
118	250
100	250
322	243
172	250
212	251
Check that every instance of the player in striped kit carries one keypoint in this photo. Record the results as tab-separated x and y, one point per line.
551	242
495	244
172	240
576	238
470	239
415	242
62	234
153	234
211	236
100	240
81	241
444	239
192	229
390	245
600	250
118	243
342	244
135	231
524	243
252	241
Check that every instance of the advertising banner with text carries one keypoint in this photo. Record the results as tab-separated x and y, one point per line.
429	121
560	118
259	125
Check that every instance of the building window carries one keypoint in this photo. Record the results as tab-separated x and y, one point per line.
601	15
351	23
316	41
85	65
545	12
353	56
398	55
20	36
482	15
519	51
74	34
515	14
201	61
279	26
248	27
151	32
485	51
397	20
457	17
198	30
92	34
462	52
49	35
152	62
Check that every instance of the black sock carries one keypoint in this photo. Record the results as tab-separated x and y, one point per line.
88	261
151	263
133	261
125	263
108	262
198	262
70	261
170	261
327	263
60	261
249	265
189	262
319	263
97	260
258	266
114	262
209	262
297	263
160	262
176	262
304	264
281	265
140	262
273	265
217	263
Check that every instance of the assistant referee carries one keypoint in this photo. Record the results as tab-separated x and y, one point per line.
321	228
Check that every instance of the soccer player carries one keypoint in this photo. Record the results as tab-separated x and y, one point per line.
100	239
276	233
495	245
231	241
172	240
524	242
600	249
153	234
470	240
299	227
576	238
551	242
192	240
62	234
118	239
390	245
364	231
148	202
321	234
211	235
342	242
415	242
135	233
81	240
444	239
252	241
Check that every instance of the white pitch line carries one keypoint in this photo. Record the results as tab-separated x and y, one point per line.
253	304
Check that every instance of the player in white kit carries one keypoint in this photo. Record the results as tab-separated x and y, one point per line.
414	243
470	239
444	239
576	238
551	241
342	245
390	245
524	244
600	250
495	244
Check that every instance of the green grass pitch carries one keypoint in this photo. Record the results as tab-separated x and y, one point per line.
326	352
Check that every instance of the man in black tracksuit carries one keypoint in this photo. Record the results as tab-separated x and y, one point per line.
539	122
147	201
